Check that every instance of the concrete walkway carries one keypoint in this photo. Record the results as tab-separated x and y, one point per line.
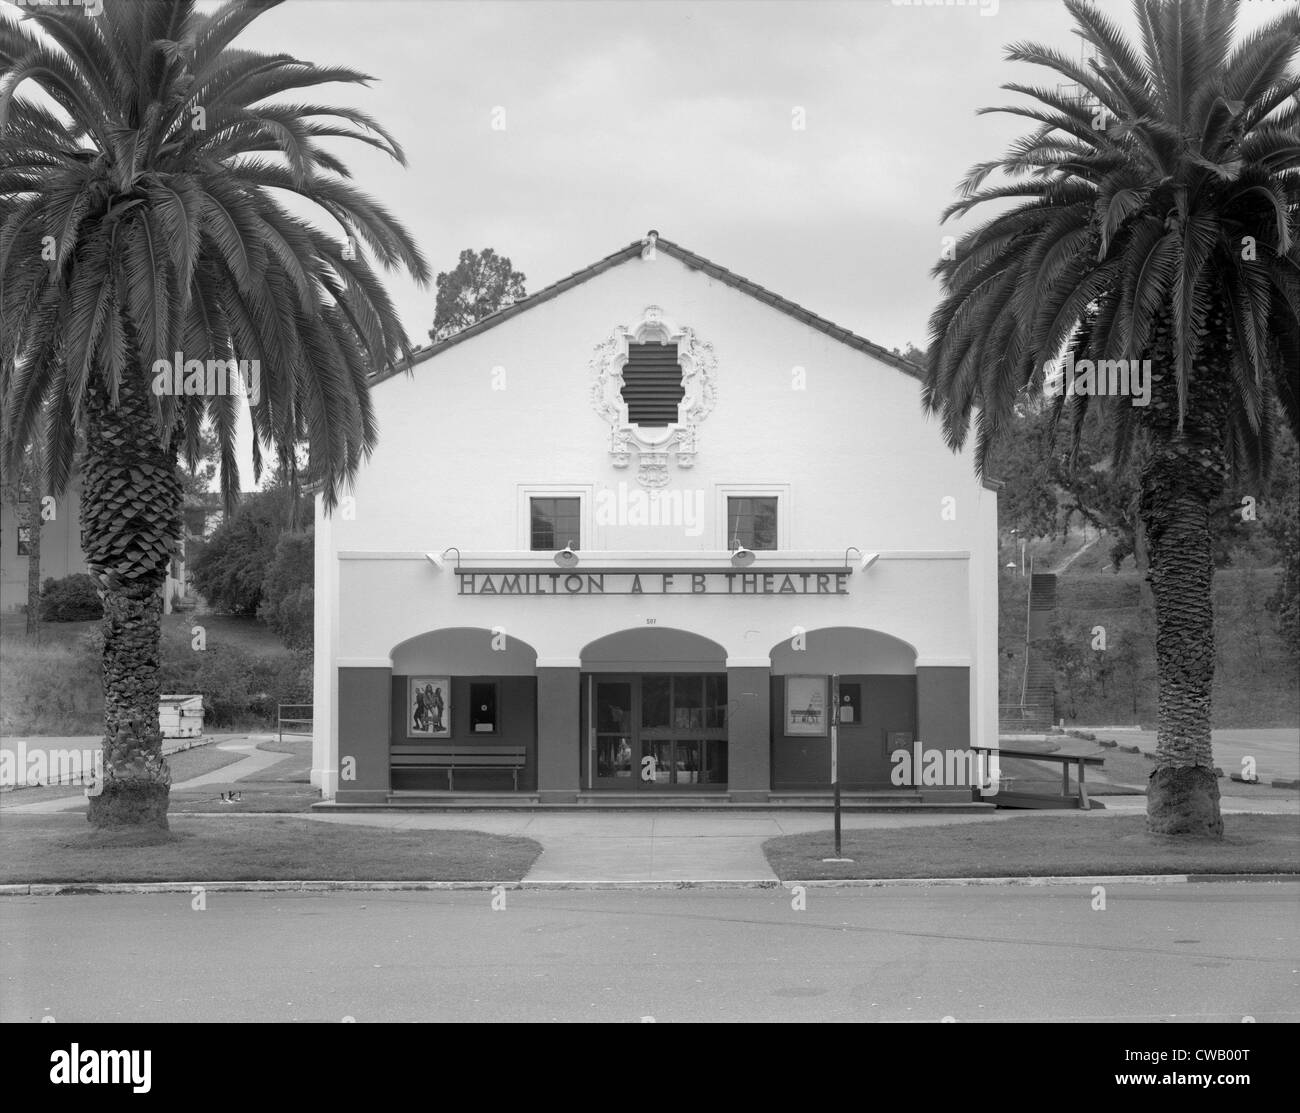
1276	752
254	761
605	846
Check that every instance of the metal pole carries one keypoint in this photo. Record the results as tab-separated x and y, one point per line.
835	756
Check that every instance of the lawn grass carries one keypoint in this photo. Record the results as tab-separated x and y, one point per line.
284	787
298	745
1039	846
243	631
63	848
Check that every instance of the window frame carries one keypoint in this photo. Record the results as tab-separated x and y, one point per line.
784	510
524	527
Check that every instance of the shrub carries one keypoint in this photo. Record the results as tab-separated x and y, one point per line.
288	598
277	680
230	571
237	687
223	679
74	598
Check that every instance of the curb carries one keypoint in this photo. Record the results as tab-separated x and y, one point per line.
187	887
1276	782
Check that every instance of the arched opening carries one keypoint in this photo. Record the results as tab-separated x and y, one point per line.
860	681
654	712
464	712
844	649
653	649
465	649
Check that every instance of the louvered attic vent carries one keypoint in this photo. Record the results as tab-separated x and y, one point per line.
652	384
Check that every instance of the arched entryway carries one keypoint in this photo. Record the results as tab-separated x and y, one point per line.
861	681
655	713
464	713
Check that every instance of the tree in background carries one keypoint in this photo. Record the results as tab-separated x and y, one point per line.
233	567
480	285
1282	524
288	595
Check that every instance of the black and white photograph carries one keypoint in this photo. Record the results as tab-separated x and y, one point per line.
650	512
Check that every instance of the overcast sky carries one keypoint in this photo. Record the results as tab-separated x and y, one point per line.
623	116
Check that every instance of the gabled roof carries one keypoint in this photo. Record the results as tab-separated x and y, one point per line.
695	262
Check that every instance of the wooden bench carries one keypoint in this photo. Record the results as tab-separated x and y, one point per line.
1079	761
458	755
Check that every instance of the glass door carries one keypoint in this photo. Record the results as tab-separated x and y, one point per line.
659	732
683	731
615	733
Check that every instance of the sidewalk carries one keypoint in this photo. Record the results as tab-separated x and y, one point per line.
254	761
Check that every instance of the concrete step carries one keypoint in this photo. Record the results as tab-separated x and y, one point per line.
898	800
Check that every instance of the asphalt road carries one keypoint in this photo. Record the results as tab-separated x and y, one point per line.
1189	952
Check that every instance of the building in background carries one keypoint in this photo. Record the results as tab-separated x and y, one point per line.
61	554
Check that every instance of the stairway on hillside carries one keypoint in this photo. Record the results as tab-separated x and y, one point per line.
1040	691
1036	711
1042	591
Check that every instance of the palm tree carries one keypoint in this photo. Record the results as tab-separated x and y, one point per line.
1150	215
143	189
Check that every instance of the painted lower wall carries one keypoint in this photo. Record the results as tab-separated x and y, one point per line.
516	725
799	762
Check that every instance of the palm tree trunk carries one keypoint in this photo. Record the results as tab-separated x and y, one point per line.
130	514
34	523
1183	473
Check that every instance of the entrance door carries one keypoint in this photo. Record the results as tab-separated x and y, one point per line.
660	731
615	741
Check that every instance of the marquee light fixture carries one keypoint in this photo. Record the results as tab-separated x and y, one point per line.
439	560
740	556
566	557
867	559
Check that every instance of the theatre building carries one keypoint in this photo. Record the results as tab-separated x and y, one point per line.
653	532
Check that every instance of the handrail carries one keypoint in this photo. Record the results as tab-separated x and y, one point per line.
282	719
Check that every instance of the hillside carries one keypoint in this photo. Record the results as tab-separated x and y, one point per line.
1256	680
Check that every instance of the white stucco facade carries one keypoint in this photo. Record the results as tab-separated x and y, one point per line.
835	433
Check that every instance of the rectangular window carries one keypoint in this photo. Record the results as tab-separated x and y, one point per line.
652	384
483	707
753	522
555	523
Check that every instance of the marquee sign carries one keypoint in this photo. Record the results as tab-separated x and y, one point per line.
782	581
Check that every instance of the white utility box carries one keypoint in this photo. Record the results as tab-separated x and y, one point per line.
180	716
